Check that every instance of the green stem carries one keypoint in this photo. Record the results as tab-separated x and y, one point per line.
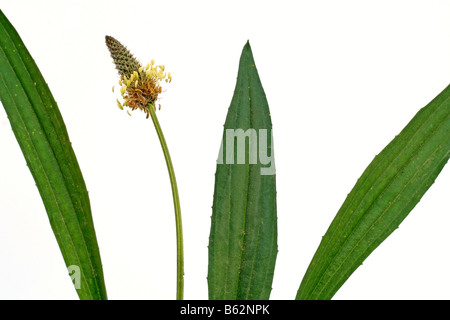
176	204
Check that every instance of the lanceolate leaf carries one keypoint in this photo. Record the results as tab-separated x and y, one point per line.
243	238
42	136
383	196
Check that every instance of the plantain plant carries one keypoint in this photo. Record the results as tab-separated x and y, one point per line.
140	88
243	235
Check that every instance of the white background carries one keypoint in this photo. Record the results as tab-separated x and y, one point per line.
342	79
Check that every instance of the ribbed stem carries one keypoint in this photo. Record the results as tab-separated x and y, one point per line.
176	203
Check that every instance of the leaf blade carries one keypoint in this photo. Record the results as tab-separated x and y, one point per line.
383	196
243	237
44	141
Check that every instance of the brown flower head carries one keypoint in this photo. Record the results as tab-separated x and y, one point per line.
140	86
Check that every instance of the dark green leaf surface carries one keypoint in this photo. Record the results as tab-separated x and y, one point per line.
243	238
42	136
383	196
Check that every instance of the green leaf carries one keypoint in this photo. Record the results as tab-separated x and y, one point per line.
243	237
383	196
40	131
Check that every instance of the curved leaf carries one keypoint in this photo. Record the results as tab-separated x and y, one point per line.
383	196
40	131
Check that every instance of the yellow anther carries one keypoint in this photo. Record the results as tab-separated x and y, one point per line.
136	75
128	83
120	81
140	69
162	68
119	104
152	61
136	83
123	89
148	66
113	89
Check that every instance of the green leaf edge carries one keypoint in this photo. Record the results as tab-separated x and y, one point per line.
245	245
41	133
383	196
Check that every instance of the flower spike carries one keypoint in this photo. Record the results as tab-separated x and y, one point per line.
140	86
